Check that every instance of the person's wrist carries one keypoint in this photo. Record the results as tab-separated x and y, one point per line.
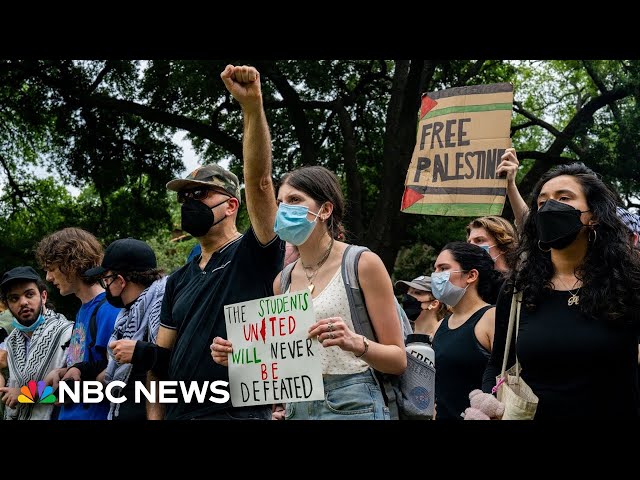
366	346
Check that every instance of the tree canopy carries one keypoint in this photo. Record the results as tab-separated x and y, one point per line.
106	128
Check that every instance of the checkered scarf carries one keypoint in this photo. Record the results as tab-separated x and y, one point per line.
138	322
631	220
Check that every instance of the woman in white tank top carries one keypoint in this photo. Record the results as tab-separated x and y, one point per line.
310	213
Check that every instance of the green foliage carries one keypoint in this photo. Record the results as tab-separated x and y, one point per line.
106	128
47	207
170	255
414	261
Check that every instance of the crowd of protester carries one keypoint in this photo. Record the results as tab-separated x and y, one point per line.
573	254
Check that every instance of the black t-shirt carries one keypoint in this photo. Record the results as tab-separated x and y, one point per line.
578	367
129	410
193	304
460	364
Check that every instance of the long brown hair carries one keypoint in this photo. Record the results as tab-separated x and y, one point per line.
323	186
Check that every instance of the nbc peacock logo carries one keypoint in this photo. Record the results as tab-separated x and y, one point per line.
36	393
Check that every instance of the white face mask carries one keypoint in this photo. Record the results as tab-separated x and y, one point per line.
444	290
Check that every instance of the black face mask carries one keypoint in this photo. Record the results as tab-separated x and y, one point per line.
197	218
114	301
558	224
411	307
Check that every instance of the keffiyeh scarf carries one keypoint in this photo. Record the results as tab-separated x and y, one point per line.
45	353
138	322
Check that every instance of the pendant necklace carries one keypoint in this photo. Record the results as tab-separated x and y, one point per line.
574	299
315	268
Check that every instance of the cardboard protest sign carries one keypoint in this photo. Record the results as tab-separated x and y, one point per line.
462	133
273	361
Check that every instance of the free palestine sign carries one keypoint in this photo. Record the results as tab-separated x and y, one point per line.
462	133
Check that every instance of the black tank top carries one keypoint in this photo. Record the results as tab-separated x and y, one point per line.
460	364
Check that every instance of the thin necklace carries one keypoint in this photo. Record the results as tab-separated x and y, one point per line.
236	236
315	268
574	299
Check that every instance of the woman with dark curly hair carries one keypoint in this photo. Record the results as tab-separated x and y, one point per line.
577	341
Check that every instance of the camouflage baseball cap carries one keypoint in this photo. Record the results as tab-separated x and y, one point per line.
208	175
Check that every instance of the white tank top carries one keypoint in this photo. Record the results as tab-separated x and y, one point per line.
333	302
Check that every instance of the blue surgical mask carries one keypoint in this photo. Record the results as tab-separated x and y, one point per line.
444	290
31	327
292	225
486	248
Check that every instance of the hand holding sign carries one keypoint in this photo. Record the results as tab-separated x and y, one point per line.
508	167
270	356
220	350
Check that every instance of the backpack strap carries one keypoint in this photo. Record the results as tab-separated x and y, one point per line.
285	277
362	321
93	327
359	315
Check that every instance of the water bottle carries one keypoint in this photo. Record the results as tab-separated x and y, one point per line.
419	345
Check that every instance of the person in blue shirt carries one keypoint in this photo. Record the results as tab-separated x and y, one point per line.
65	255
195	251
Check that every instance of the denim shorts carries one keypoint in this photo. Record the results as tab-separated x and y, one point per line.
346	397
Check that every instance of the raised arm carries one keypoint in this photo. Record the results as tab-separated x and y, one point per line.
244	84
509	167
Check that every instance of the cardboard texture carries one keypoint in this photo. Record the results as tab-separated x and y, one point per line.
462	133
273	361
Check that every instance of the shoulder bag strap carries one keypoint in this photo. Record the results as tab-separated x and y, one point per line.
514	319
285	277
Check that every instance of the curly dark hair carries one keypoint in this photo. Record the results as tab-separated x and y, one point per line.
473	257
610	271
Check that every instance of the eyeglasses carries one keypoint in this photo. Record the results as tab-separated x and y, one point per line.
196	194
104	284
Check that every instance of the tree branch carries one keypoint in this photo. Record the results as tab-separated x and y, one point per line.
108	66
536	155
471	72
584	118
13	184
295	108
588	66
354	184
580	121
78	98
547	126
327	127
196	127
516	128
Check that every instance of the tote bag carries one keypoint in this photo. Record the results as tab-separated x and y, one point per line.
520	403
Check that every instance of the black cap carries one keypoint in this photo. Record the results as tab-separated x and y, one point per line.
125	255
20	273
